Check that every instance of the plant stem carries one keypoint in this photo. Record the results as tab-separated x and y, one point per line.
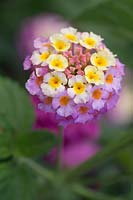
60	146
47	174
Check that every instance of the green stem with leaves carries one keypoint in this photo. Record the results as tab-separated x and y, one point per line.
76	188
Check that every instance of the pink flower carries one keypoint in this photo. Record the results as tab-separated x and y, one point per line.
44	120
40	42
120	68
98	97
83	113
33	84
112	80
112	100
27	63
63	104
45	104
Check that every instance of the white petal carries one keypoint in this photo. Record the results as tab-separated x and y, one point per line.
47	77
69	30
60	89
82	98
90	68
84	35
47	90
72	81
35	58
56	36
70	92
43	49
80	78
63	78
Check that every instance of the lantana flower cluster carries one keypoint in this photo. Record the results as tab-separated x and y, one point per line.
74	75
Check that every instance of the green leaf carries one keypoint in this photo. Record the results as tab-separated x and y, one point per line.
35	143
17	182
5	145
16	112
63	192
125	159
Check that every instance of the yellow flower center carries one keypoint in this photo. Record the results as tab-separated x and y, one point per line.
97	94
64	100
48	100
55	82
90	41
109	79
70	37
57	63
44	56
79	88
92	76
60	45
100	61
83	109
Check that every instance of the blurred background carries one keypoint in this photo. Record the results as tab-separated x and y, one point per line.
21	21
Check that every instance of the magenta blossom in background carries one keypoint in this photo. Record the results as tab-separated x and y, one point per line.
33	27
80	142
74	155
89	131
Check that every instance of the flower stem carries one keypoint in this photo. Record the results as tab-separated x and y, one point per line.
60	146
46	173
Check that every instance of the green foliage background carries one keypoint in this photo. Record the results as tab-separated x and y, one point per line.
22	175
